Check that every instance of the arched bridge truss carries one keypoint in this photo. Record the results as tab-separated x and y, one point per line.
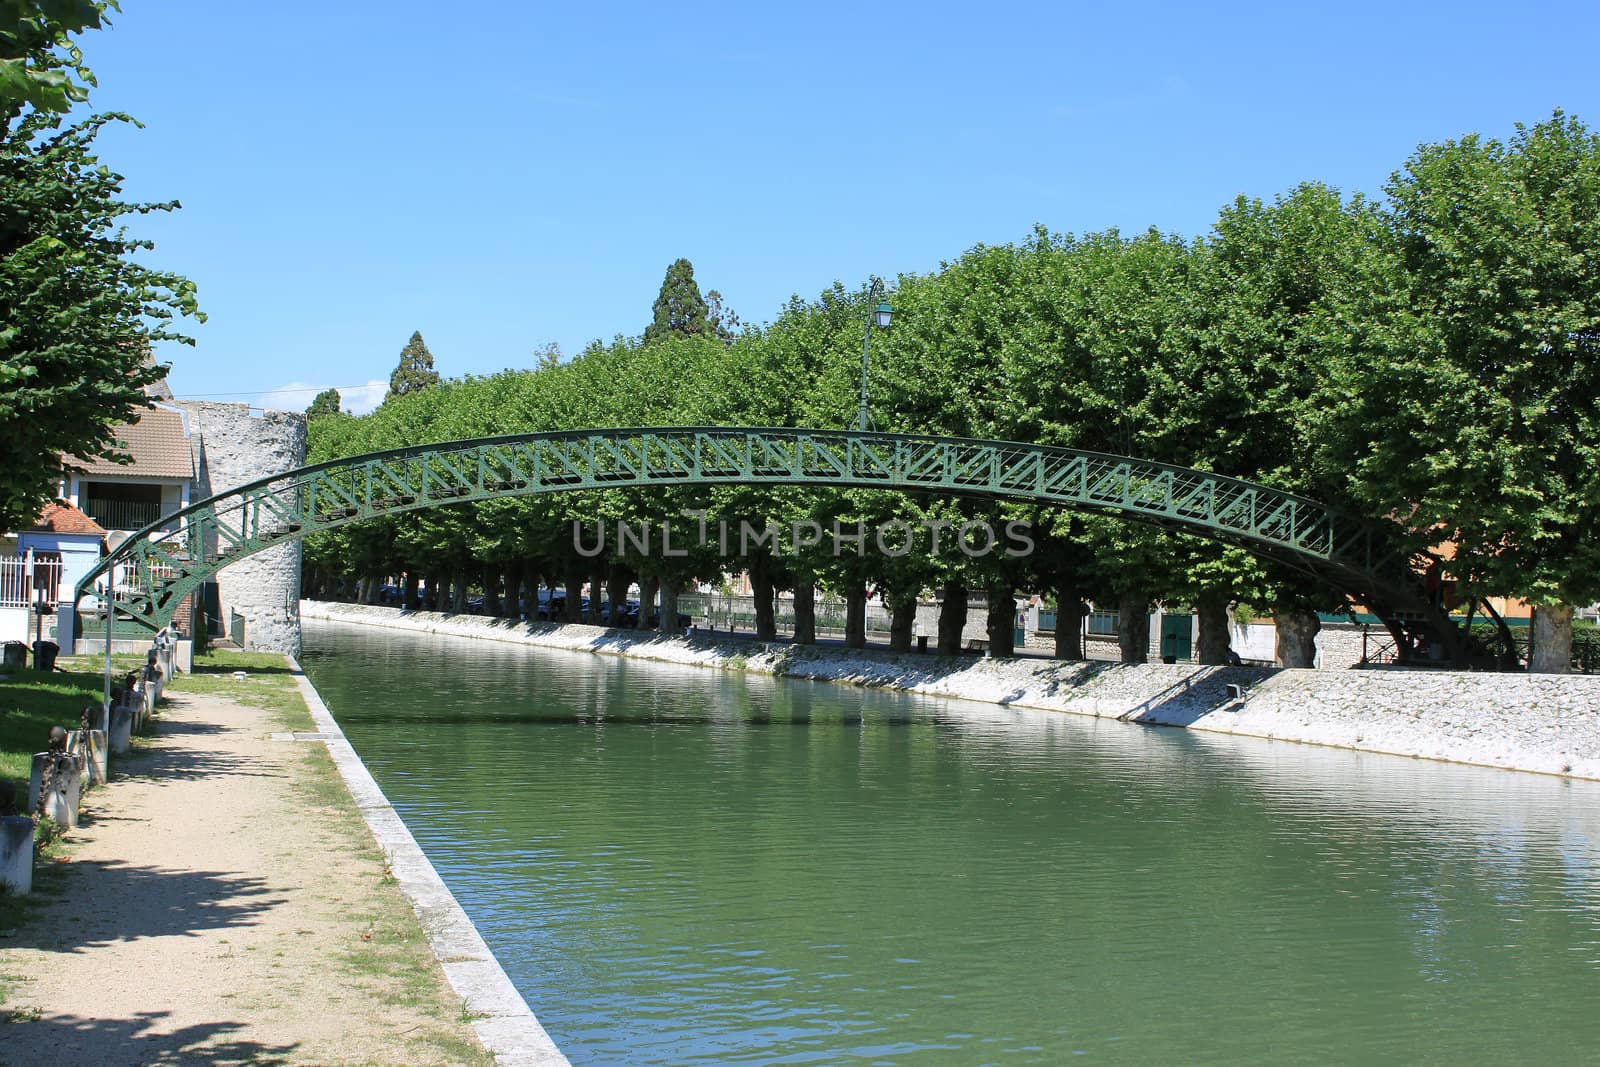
160	565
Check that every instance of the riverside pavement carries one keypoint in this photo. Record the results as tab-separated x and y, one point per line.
223	902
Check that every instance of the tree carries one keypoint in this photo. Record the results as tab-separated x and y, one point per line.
325	403
415	371
1466	400
78	315
37	56
547	355
680	310
724	322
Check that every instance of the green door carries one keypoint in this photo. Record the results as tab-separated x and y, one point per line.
1176	643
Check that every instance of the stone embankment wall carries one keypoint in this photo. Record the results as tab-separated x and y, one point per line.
237	447
1545	723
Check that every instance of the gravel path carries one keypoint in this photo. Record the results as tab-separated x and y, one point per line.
224	903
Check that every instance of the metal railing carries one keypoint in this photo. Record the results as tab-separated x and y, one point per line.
24	583
123	514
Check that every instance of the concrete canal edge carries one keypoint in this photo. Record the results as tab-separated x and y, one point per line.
1548	724
502	1019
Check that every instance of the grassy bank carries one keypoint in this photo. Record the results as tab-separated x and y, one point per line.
33	701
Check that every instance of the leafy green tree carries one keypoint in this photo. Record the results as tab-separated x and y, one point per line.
37	56
415	371
1465	398
324	403
78	314
679	309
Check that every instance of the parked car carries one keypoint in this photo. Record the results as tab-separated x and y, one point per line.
556	605
652	621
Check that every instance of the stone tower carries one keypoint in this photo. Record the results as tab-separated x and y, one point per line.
236	447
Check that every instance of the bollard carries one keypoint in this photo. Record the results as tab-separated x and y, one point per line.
94	751
60	803
120	739
16	854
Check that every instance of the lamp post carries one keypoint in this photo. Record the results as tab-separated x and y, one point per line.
878	316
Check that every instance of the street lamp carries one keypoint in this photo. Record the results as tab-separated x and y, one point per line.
880	317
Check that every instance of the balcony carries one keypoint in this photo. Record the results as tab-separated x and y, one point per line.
123	514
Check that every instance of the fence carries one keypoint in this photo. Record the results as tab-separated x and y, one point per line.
25	582
739	613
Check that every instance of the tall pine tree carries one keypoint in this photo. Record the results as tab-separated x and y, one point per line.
680	310
325	403
415	371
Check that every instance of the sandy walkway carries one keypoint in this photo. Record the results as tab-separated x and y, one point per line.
226	904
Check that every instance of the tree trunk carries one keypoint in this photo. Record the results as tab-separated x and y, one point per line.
410	600
1001	622
902	620
369	592
805	613
1215	635
761	587
952	618
458	593
669	606
1297	637
1552	639
597	581
491	588
855	616
1133	629
647	600
572	610
511	603
1069	624
617	592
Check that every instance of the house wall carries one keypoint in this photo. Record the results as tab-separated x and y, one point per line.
79	553
237	447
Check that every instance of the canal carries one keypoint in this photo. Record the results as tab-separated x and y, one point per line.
683	866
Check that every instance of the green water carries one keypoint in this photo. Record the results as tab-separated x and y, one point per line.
680	866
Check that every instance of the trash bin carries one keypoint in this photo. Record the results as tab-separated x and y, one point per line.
44	655
922	642
15	656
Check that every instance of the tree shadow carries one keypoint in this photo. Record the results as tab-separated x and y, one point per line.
73	1039
228	668
106	902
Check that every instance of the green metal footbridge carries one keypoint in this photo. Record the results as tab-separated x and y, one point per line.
151	572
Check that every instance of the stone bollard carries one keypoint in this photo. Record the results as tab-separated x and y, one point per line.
95	753
60	803
121	736
16	853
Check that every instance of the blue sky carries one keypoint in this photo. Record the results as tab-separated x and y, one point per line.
352	172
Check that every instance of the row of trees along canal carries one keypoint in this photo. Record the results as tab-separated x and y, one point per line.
1429	357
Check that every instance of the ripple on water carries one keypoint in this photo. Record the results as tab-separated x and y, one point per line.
680	866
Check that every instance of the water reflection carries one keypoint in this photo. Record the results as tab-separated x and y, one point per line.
685	866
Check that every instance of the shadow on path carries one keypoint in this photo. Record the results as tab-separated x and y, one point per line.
104	902
72	1039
